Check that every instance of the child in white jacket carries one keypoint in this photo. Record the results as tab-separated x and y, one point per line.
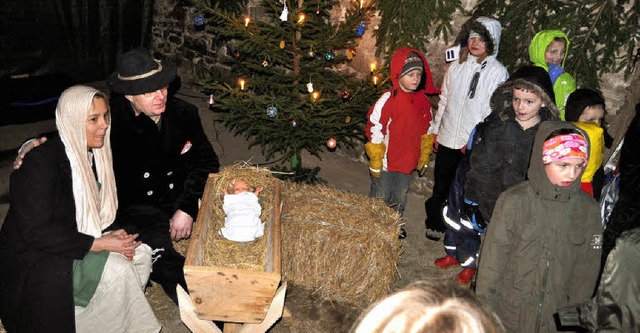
464	102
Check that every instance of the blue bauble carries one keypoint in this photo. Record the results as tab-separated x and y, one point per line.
360	29
272	111
329	56
198	20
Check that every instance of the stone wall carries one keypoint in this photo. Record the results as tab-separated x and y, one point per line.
199	56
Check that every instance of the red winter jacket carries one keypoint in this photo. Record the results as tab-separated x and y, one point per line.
399	119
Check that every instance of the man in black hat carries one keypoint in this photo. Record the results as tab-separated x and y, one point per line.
161	160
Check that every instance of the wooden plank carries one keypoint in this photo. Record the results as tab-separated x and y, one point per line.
246	294
195	252
189	317
274	313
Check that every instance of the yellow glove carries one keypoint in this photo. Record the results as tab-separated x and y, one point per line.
426	147
375	153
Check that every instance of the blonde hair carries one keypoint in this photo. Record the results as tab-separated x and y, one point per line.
427	306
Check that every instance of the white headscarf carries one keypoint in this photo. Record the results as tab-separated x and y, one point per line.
95	208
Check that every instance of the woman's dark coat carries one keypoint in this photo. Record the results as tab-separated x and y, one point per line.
38	242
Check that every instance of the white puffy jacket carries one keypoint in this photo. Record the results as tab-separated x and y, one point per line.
457	113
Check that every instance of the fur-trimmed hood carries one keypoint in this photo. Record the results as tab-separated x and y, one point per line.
488	28
531	78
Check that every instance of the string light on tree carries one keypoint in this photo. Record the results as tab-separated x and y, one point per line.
332	143
242	83
372	67
315	96
301	18
247	19
211	102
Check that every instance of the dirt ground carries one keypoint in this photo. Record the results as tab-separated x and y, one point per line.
343	170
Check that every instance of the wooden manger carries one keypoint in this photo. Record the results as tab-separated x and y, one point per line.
235	292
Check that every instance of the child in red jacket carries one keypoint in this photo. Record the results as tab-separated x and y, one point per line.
397	126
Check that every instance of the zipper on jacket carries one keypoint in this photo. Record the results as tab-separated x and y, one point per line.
544	288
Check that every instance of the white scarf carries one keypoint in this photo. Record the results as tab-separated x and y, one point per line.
95	207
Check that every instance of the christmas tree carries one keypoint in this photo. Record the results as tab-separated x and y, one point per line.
292	94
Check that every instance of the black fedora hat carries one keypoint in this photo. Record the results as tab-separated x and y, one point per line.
138	73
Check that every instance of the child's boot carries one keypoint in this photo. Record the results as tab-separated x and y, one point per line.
446	262
465	276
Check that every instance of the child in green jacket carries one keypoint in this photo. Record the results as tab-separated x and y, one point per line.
549	50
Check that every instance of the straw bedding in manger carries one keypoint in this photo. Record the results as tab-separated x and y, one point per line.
344	245
225	253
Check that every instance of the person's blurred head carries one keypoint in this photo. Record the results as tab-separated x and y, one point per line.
427	306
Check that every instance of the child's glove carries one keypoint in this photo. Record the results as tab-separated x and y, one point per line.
426	147
375	151
554	72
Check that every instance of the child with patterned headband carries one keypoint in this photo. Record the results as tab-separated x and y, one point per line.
542	250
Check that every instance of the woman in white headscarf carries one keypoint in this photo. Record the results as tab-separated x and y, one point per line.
58	272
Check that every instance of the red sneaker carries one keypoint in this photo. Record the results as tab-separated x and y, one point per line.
465	276
446	262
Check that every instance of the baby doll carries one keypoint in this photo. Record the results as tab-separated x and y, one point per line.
242	223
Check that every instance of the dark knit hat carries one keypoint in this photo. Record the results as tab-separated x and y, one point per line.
413	61
580	100
138	73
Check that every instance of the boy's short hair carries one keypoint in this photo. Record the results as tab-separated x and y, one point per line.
429	306
580	100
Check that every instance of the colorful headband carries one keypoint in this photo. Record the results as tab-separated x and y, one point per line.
564	146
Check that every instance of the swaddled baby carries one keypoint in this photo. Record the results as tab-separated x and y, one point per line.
242	223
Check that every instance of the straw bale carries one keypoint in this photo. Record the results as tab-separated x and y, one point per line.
342	244
225	253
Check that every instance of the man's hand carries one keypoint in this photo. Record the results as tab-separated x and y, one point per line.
180	223
25	148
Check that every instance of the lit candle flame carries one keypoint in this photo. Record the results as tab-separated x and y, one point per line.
246	21
301	17
241	82
315	95
375	79
373	66
361	3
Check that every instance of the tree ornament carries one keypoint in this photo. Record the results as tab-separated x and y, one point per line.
282	44
272	111
329	56
347	120
331	143
198	21
294	124
285	13
346	95
265	62
310	87
311	54
360	29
